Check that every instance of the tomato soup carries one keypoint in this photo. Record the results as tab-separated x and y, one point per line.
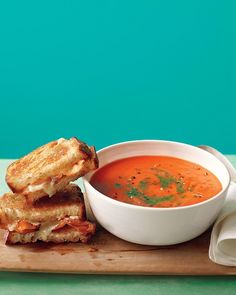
156	181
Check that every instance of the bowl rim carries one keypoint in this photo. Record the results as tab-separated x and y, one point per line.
137	207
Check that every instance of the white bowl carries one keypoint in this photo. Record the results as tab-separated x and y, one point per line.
157	226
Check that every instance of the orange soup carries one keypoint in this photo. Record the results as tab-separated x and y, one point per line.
156	181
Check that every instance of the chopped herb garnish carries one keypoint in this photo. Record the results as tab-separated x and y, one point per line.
133	192
153	200
117	185
165	181
143	184
180	186
156	200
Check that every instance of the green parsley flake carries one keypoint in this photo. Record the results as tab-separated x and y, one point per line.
133	192
180	186
153	200
143	184
117	185
165	181
156	200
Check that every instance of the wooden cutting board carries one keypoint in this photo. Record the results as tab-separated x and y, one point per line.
107	254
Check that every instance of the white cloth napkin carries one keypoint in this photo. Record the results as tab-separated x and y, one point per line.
222	248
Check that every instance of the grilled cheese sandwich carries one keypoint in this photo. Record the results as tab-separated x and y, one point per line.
50	168
47	219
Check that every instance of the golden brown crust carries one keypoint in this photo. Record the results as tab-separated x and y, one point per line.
43	205
67	202
67	234
51	167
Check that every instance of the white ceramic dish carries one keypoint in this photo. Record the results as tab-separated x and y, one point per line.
157	226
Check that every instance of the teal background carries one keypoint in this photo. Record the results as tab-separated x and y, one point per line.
110	71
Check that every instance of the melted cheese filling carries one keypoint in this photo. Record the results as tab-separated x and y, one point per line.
45	228
48	188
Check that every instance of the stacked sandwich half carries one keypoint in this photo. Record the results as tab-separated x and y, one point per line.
44	205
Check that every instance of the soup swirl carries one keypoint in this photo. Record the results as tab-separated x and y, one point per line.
156	181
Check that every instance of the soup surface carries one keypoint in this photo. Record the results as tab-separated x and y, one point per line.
156	181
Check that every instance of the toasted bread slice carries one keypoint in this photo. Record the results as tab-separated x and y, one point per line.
65	234
51	167
15	208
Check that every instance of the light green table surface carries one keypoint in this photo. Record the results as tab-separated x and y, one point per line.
43	283
39	284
